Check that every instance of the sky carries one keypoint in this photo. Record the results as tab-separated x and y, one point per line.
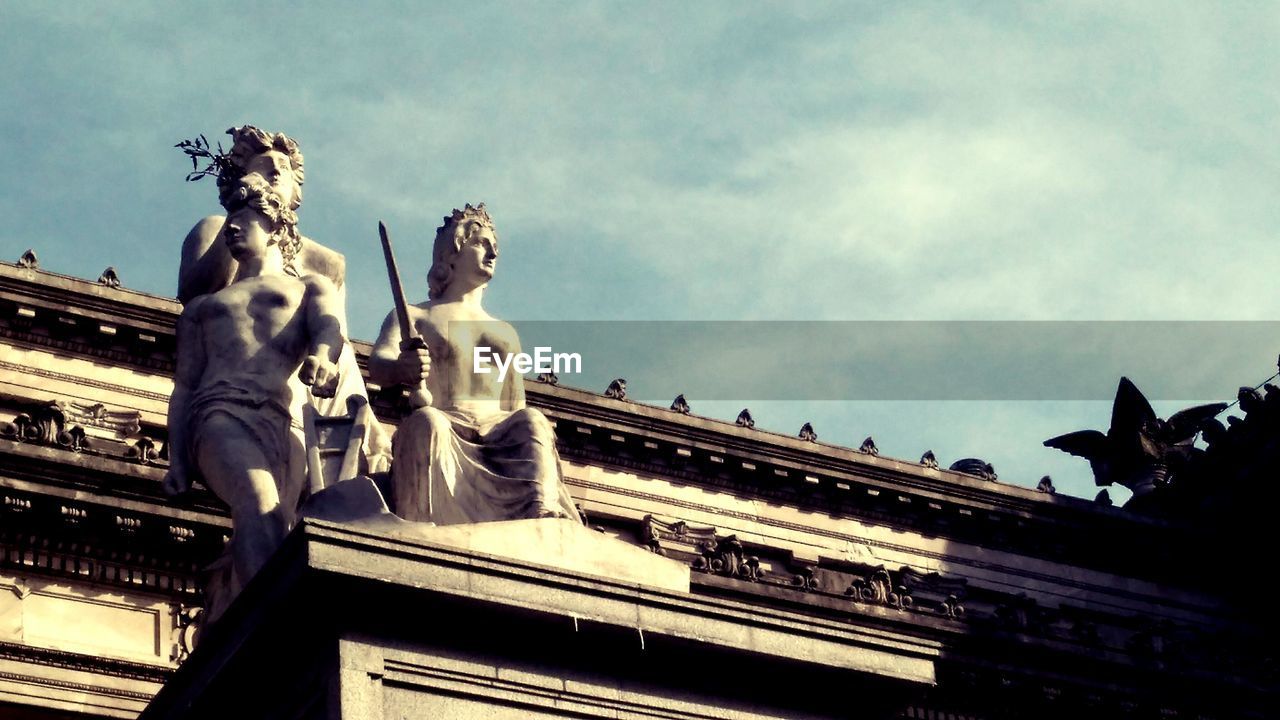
1088	161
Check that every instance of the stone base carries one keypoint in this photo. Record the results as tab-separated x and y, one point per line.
557	543
346	623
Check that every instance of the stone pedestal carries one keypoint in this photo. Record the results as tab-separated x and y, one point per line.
351	622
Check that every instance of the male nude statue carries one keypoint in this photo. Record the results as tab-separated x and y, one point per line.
231	423
208	265
478	453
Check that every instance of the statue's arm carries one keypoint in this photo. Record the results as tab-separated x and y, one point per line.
186	378
322	260
513	388
324	336
386	351
206	265
394	362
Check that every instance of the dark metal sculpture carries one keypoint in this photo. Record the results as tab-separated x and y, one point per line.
976	467
929	460
617	389
1140	450
109	278
745	420
29	260
868	447
680	405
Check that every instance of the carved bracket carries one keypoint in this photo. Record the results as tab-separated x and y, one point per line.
807	579
143	451
187	621
714	555
617	389
680	405
879	588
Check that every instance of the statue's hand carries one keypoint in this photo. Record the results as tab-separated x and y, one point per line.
320	374
414	363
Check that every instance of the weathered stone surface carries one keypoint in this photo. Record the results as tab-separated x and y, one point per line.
1109	596
431	630
562	544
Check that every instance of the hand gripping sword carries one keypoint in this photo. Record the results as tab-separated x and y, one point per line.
420	395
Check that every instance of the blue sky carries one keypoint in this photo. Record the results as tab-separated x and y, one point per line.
681	161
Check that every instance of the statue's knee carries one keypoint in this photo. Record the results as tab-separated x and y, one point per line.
539	426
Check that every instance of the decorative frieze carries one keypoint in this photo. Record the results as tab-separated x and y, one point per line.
121	423
46	425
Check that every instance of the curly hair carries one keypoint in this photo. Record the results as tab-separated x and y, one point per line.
248	141
253	191
459	227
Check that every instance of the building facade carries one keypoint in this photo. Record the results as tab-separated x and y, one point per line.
1003	602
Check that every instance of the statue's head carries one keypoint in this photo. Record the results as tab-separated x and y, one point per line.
273	156
257	218
466	247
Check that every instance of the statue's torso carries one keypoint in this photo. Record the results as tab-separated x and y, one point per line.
452	335
255	327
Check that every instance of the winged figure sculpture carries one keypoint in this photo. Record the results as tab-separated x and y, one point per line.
1139	448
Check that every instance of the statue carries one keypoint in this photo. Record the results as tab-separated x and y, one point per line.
476	453
207	266
1139	451
232	413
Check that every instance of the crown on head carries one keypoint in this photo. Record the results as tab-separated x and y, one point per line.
478	213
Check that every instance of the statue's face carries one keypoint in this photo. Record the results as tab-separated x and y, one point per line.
275	168
477	257
247	233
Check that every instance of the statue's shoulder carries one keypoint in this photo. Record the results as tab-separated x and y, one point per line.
317	259
429	310
206	266
208	226
318	283
192	308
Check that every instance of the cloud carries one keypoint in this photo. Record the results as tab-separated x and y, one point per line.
674	161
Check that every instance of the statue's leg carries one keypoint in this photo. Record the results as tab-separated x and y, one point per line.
536	449
235	467
418	447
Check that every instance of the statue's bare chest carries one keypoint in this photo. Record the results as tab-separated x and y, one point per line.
263	304
454	341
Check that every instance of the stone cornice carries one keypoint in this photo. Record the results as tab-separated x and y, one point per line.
598	430
113	305
87	477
